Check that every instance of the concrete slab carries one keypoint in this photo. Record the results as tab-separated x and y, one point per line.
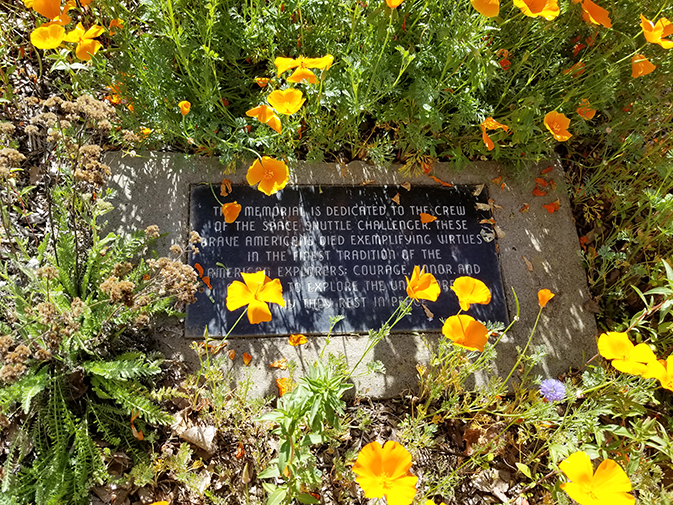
538	250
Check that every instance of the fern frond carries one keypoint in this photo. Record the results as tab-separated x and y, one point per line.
88	461
67	266
133	398
124	368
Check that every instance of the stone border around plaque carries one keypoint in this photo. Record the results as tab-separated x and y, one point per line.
538	250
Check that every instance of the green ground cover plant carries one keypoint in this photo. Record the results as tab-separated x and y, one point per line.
410	82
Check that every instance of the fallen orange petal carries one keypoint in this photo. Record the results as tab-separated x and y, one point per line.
240	451
437	179
232	355
497	180
206	281
538	192
541	182
246	359
524	208
553	206
297	339
199	269
427	218
547	170
280	364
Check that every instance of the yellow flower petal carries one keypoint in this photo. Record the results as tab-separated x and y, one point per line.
258	312
547	9
238	295
303	74
470	290
47	37
641	66
614	345
596	14
488	8
285	64
87	48
48	8
287	101
465	331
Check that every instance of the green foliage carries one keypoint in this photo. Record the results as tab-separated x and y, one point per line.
67	299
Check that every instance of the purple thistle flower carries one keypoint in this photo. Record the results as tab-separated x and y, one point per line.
552	390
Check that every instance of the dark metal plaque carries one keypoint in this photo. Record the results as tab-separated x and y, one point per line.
342	250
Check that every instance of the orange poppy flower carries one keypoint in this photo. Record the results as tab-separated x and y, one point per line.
626	357
287	101
230	211
585	109
543	297
86	45
488	8
641	66
285	64
265	114
185	107
115	23
656	33
47	37
297	339
271	174
465	331
609	484
490	124
427	218
547	9
384	471
394	4
469	291
557	124
256	291
662	370
422	286
595	14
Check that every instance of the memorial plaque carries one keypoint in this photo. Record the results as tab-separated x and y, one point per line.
342	251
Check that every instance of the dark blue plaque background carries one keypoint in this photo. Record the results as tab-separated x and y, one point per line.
316	268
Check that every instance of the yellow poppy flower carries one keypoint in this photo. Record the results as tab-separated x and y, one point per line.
422	286
585	109
86	46
626	357
490	124
287	101
265	114
547	9
470	290
230	211
609	484
285	64
47	37
185	107
394	4
595	14
465	331
641	66
115	23
488	8
543	297
557	124
656	33
384	471
256	291
271	174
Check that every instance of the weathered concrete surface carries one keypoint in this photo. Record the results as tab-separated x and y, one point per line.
153	188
